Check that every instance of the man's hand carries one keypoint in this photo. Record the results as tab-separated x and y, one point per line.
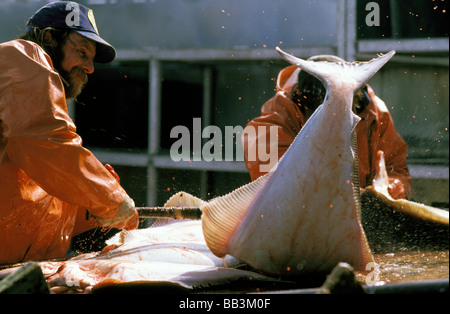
127	217
396	188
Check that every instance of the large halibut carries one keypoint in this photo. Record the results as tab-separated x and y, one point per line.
304	215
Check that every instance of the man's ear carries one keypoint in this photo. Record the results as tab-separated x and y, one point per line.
48	39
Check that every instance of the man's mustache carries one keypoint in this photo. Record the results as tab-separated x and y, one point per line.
78	71
74	81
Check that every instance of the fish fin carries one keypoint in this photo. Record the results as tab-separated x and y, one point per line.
136	235
381	179
109	247
355	73
161	222
183	199
380	186
222	215
366	256
120	238
180	199
115	239
355	176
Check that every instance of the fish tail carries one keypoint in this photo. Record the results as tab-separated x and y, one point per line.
355	73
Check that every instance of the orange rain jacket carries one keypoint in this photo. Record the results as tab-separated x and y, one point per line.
47	179
375	132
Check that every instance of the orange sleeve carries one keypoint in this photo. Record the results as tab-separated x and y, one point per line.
280	112
394	147
376	131
42	139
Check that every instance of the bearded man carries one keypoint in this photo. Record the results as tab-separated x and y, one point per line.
48	180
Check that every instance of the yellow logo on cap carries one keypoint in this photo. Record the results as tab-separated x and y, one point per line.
92	20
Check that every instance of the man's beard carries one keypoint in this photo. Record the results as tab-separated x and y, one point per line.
74	81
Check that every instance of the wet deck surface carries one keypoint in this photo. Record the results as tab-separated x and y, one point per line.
413	266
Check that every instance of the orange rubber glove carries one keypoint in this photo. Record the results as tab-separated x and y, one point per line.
396	188
127	217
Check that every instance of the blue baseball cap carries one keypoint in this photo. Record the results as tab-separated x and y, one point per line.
77	17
